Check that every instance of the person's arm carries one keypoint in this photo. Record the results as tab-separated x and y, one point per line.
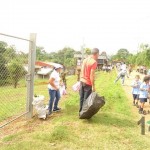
51	82
133	85
142	89
92	75
92	78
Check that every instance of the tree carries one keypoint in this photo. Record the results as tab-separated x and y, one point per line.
10	53
3	64
41	53
16	71
87	51
123	53
64	56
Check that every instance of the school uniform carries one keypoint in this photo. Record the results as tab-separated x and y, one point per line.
143	93
136	90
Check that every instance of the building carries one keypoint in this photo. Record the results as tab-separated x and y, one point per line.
102	59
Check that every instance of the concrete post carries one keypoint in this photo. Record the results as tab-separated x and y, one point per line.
31	72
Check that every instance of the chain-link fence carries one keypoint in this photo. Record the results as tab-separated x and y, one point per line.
16	79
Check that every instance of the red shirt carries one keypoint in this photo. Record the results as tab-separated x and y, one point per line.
88	64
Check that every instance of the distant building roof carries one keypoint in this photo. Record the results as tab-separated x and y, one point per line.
42	64
44	71
103	55
45	64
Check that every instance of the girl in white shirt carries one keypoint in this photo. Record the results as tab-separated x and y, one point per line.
53	86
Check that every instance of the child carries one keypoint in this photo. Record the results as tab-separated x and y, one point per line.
122	75
144	89
135	90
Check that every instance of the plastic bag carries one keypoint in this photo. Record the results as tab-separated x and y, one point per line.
62	90
91	106
38	103
76	87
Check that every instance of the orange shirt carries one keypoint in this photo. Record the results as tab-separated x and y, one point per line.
88	64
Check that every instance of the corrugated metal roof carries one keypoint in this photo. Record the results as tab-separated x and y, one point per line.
44	71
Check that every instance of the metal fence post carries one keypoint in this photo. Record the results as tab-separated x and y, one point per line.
142	123
30	78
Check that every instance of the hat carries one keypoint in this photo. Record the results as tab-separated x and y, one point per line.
57	66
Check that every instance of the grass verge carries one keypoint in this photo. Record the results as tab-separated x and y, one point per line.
112	128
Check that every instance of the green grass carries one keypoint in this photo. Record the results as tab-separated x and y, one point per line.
114	127
13	101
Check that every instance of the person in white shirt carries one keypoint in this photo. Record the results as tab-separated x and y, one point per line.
123	66
53	87
136	90
144	89
122	75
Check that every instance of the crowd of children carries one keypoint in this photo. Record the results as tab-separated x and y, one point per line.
143	70
107	68
140	91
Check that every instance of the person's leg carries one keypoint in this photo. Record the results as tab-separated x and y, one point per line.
87	91
134	97
81	96
123	78
137	100
118	77
52	94
142	105
57	98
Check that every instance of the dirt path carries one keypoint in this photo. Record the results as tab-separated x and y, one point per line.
127	88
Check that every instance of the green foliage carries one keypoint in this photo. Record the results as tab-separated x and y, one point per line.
87	51
41	54
121	55
64	56
141	58
3	63
16	71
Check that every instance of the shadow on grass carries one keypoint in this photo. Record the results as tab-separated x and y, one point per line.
111	120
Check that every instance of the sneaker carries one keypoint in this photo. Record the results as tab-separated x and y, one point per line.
56	110
49	113
144	112
140	112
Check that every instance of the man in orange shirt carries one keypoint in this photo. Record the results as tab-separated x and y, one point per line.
88	76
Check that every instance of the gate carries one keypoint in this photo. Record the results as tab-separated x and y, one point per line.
16	80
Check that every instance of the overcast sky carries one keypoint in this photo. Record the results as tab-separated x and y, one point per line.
106	24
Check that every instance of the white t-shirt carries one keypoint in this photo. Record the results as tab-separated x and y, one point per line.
56	77
123	67
144	94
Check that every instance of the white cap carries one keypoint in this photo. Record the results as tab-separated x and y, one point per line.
57	66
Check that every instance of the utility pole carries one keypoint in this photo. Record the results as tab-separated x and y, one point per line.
82	50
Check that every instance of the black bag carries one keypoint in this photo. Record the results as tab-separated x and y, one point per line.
91	106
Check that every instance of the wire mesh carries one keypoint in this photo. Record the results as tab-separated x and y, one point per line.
13	86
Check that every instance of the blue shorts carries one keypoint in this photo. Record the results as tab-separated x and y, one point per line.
143	100
136	96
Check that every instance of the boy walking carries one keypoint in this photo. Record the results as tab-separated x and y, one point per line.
144	89
136	90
